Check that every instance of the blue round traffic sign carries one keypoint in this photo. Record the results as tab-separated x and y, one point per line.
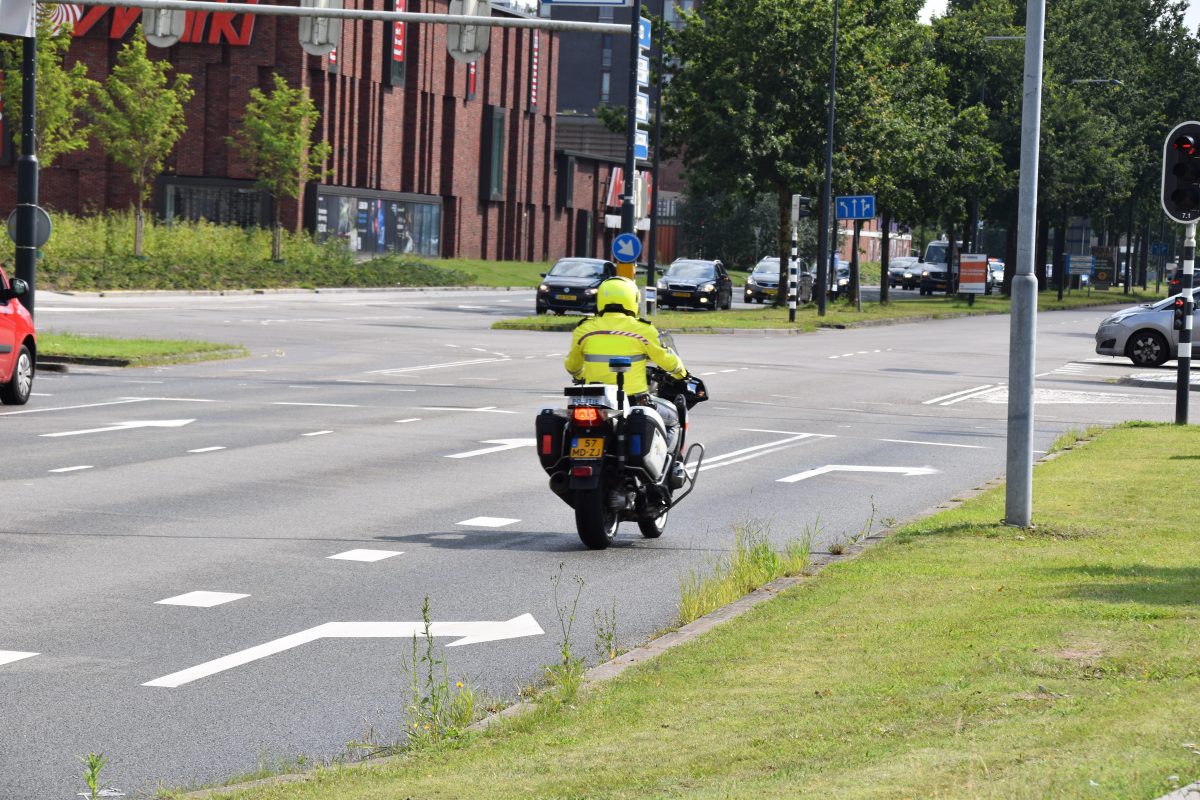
626	248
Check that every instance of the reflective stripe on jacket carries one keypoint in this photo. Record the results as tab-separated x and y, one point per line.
599	338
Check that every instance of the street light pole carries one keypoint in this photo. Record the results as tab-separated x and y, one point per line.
627	211
27	174
1018	499
823	258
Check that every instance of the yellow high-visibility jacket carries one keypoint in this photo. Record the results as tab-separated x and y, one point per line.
599	338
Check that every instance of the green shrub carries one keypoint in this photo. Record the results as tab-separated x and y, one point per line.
95	253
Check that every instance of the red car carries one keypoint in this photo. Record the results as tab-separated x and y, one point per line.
18	343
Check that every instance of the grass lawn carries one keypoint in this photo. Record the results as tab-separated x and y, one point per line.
137	352
958	658
496	273
840	314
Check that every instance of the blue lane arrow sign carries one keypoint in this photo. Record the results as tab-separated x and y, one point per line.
856	207
644	33
626	248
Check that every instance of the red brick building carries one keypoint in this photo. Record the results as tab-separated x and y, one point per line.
429	155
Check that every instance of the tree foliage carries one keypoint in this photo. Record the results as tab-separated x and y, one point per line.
139	118
276	137
62	94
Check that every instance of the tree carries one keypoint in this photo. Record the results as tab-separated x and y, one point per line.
276	137
139	118
62	93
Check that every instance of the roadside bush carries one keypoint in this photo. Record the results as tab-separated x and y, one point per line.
96	253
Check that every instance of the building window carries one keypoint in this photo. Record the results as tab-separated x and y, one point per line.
605	86
606	42
225	202
606	14
495	150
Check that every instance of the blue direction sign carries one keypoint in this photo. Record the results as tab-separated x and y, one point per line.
860	206
626	248
644	33
641	146
1080	265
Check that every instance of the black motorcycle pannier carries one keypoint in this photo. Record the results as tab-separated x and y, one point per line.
645	442
551	428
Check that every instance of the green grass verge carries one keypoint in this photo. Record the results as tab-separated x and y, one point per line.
958	658
136	352
839	314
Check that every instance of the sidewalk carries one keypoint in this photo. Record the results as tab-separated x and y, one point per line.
955	658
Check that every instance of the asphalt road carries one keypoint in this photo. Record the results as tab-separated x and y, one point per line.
397	422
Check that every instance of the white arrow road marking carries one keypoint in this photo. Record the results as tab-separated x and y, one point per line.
501	444
747	453
366	555
127	426
467	633
9	656
975	395
812	473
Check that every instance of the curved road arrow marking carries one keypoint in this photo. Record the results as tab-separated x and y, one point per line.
128	426
812	473
501	444
468	633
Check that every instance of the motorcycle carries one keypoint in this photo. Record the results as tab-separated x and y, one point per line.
613	462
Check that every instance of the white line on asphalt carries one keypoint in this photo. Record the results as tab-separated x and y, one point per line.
401	390
474	308
350	380
40	394
500	445
72	408
785	433
316	433
955	394
706	374
974	396
466	633
71	469
201	599
410	419
9	656
737	456
206	449
171	399
126	426
487	522
480	349
293	386
937	444
319	405
369	556
812	473
401	370
452	345
487	409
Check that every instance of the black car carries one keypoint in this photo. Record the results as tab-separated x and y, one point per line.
694	283
571	285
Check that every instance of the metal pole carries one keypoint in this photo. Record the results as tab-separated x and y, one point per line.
1018	499
627	213
27	174
822	286
1184	378
1129	249
652	259
793	277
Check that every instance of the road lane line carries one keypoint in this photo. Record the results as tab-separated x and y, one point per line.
937	444
316	433
73	408
402	370
319	405
974	396
201	599
956	394
206	449
487	522
369	556
9	656
72	469
410	419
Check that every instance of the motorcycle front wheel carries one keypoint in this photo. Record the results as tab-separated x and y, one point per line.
653	528
594	520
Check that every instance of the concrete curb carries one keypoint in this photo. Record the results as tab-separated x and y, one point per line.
1166	382
284	290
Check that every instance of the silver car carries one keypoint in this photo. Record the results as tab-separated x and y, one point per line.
1144	334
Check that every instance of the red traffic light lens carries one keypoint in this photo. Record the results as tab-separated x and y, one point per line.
1185	144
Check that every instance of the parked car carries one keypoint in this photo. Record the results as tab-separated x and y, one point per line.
695	283
840	284
18	343
763	283
571	285
996	273
904	271
1144	334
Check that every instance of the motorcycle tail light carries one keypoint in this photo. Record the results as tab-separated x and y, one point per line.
581	472
587	417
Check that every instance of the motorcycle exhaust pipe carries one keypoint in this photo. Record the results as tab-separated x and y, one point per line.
559	483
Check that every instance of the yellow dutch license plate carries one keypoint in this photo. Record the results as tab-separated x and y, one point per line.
682	294
565	297
770	291
588	447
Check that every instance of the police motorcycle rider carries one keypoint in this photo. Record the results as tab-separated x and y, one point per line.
617	331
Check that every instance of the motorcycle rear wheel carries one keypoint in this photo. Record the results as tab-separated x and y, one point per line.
594	520
653	528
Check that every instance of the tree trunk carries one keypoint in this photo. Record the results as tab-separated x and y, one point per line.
138	218
1060	242
785	243
1144	256
885	256
276	234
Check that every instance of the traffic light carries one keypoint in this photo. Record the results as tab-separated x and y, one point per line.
1181	173
1181	309
805	206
